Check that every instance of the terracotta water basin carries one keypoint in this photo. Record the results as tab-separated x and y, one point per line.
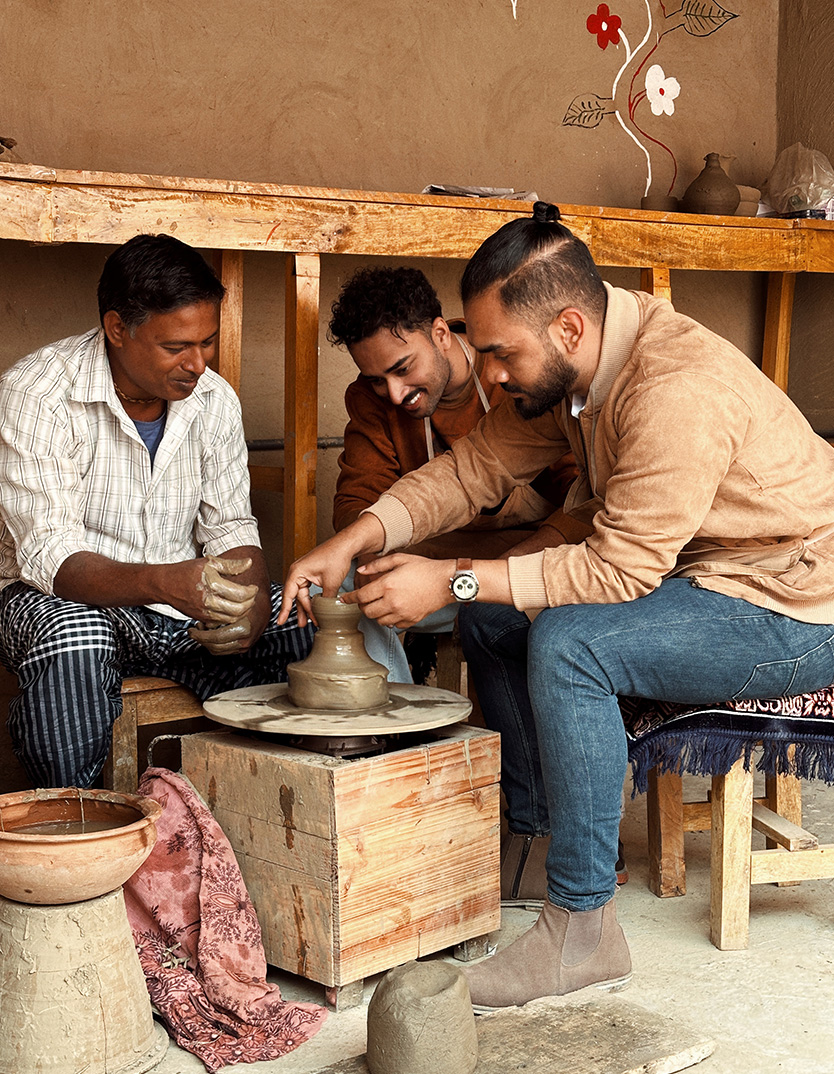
66	845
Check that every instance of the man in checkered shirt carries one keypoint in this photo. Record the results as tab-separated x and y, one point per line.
127	541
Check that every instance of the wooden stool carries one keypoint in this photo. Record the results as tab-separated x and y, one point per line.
731	814
146	700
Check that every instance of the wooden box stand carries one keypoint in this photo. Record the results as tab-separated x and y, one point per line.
356	865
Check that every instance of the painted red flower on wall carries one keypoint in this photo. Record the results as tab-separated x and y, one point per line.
605	25
698	18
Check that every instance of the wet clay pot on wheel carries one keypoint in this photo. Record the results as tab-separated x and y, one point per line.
713	191
338	675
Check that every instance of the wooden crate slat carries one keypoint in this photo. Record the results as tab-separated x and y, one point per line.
217	763
416	776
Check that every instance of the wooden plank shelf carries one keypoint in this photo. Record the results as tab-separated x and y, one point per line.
48	205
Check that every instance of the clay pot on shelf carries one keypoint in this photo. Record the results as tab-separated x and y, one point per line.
660	203
713	191
749	203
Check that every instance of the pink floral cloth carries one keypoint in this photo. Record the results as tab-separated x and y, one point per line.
199	940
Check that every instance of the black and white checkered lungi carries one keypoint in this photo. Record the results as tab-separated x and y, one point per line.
70	660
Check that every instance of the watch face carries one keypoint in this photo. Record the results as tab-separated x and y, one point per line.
465	586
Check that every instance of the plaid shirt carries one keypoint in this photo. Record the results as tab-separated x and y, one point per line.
75	475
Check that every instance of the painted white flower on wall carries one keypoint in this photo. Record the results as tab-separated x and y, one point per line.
661	91
698	18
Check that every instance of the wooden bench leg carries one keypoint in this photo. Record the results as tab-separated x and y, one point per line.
121	772
732	830
664	808
450	662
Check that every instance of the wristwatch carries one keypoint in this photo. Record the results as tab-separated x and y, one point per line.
463	583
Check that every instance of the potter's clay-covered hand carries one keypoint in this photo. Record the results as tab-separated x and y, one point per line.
223	600
223	639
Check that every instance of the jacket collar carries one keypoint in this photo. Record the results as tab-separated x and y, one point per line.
619	334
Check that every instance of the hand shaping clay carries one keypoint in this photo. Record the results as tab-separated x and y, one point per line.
224	600
420	1021
223	639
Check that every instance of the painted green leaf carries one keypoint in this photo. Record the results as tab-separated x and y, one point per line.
587	111
703	17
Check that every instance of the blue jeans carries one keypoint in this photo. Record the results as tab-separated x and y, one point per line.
550	688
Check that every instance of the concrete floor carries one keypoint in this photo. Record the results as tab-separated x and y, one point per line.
769	1008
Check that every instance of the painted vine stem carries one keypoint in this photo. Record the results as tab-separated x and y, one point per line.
638	79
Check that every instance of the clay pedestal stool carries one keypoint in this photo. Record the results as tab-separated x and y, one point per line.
72	991
731	814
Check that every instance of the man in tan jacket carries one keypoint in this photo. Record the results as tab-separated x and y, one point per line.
708	574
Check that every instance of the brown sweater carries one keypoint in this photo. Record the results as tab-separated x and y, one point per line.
691	462
382	443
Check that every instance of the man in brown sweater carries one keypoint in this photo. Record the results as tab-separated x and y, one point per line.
708	574
420	389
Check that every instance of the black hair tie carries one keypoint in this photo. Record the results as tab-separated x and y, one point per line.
545	213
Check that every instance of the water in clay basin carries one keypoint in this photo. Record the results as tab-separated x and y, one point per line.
72	827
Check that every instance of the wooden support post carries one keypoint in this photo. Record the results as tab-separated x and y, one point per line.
449	662
121	768
301	404
231	317
469	950
784	796
344	997
777	337
656	281
664	804
732	826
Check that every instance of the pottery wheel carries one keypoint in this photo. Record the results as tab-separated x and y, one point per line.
268	708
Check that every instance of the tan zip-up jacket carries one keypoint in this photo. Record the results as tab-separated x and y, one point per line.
691	462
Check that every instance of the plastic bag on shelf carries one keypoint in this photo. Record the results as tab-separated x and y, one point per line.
801	180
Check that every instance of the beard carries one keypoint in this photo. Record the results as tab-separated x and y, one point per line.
555	383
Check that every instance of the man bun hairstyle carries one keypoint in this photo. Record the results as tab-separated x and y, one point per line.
545	213
153	274
539	267
400	299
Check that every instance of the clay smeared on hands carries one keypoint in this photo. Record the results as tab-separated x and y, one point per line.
224	639
225	601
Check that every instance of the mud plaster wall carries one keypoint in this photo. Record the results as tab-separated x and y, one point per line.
381	96
805	115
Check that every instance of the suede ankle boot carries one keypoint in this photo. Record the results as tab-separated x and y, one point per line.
524	869
523	872
562	953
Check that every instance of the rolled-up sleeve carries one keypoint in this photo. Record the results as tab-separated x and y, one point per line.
225	518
